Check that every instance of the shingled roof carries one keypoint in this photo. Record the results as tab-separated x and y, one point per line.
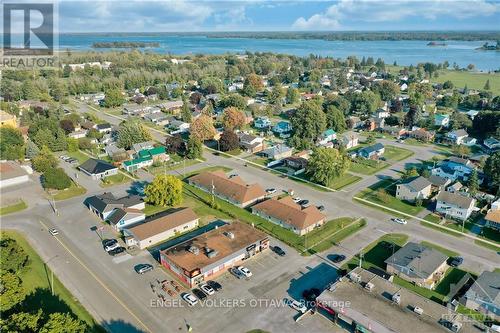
459	200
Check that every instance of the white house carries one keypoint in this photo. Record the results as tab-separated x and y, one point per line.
349	139
417	188
458	136
441	120
327	136
455	205
124	217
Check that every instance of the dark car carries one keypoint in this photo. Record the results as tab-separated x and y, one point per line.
336	258
214	285
200	294
310	295
143	268
279	251
321	208
303	202
109	242
457	261
116	251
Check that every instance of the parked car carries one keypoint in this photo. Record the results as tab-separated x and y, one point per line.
143	268
207	289
279	251
64	157
53	231
271	191
244	270
456	261
110	244
236	272
297	199
321	208
299	306
190	299
116	251
304	202
214	285
200	294
400	221
336	258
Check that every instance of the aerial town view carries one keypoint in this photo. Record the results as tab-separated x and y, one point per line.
250	166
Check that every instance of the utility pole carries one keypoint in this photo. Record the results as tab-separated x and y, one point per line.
51	274
360	259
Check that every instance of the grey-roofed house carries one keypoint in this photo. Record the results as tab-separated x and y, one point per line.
415	188
372	152
455	205
484	295
125	217
104	128
419	264
277	152
103	205
458	136
137	147
438	183
98	169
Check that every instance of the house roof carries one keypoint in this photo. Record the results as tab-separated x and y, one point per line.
371	149
278	149
137	160
214	240
10	169
163	222
289	212
439	116
493	216
416	260
103	126
438	181
234	188
152	152
95	166
101	202
120	213
417	184
328	133
456	199
486	288
459	133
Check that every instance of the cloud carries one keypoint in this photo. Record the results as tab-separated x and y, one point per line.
346	11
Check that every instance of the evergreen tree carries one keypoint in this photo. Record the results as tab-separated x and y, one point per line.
487	85
473	182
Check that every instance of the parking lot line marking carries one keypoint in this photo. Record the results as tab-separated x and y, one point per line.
121	259
98	280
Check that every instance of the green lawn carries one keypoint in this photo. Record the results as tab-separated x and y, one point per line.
336	184
441	249
81	157
171	165
73	191
433	218
13	208
323	234
367	167
393	153
119	178
487	245
207	169
36	281
432	226
471	79
392	202
337	237
415	142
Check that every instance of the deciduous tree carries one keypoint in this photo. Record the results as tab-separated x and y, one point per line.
232	118
164	190
326	164
203	128
130	132
228	141
335	119
44	161
56	178
309	121
194	148
11	144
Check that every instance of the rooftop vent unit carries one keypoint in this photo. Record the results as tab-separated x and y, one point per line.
355	277
229	235
194	250
212	253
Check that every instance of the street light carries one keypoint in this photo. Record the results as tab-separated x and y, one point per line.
51	274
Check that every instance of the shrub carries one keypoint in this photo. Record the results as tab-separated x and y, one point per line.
56	178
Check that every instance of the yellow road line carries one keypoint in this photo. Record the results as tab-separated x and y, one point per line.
99	281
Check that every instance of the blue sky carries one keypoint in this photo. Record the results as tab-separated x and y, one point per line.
260	15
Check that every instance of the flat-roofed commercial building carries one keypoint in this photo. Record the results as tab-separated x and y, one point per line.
214	252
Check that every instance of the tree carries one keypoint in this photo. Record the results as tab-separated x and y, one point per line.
31	150
383	196
44	161
252	85
460	150
275	97
410	173
175	144
459	120
292	95
487	85
186	112
340	103
56	179
131	132
11	144
203	128
326	164
63	323
492	169
113	98
212	85
232	118
448	85
194	148
195	98
387	90
486	124
67	125
413	116
229	141
335	119
164	190
473	182
11	291
72	144
309	121
365	102
22	322
233	100
85	143
12	255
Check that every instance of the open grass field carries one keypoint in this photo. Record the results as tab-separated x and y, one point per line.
13	208
119	178
394	153
336	184
367	167
36	281
72	191
471	79
320	238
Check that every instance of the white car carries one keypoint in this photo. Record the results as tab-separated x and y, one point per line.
207	289
271	191
112	246
53	231
299	306
244	270
190	299
400	221
297	199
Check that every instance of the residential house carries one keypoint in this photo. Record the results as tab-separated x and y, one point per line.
173	107
414	189
157	154
484	295
455	187
492	144
277	152
98	169
103	205
455	205
422	134
327	136
416	263
124	217
457	137
103	128
454	168
283	129
177	126
161	227
135	110
372	152
441	120
231	189
354	122
158	118
438	183
382	113
492	217
349	139
394	130
469	142
262	123
137	163
251	143
113	151
287	214
295	162
78	134
137	147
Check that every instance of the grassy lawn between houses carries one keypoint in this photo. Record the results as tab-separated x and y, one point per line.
389	185
73	191
394	153
36	282
119	178
20	205
338	183
367	167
